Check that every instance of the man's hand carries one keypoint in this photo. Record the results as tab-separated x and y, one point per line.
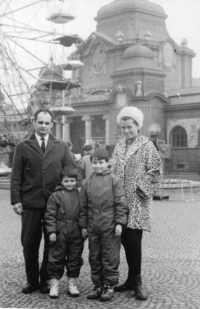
52	237
18	208
84	233
118	230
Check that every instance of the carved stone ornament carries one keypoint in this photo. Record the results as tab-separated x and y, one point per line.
121	99
139	88
99	59
168	55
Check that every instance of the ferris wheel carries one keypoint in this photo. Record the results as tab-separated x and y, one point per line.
33	39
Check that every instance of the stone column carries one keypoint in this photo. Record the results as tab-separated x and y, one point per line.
59	127
107	119
88	126
66	128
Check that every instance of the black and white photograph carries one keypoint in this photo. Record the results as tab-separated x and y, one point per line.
100	154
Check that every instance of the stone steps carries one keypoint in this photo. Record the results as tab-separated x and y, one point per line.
5	182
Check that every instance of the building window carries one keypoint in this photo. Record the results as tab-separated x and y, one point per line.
198	138
180	166
179	137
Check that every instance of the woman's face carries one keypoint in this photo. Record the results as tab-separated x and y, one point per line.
129	128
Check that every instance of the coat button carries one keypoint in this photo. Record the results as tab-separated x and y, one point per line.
44	172
44	187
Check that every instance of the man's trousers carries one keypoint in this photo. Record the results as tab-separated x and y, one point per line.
32	228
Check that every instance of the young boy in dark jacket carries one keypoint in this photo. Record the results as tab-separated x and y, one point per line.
66	241
103	213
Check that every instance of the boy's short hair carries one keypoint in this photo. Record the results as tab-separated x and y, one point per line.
100	154
87	147
69	171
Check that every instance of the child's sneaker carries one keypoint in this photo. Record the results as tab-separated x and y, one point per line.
54	288
108	293
96	293
72	287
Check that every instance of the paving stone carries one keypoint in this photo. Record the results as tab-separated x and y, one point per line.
170	268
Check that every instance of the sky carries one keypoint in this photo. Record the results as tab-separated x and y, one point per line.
183	22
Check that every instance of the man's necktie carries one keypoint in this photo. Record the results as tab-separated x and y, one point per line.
43	144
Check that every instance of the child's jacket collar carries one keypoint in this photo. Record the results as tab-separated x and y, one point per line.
59	188
106	172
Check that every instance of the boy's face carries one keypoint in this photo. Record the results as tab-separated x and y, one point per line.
99	166
69	183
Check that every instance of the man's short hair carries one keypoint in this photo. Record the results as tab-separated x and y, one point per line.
43	110
100	154
87	147
69	171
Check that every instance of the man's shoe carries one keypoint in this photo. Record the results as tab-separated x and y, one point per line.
108	293
96	293
44	287
29	288
126	286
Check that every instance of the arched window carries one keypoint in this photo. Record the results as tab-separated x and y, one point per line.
179	137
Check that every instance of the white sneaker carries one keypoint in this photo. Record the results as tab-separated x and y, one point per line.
72	287
54	288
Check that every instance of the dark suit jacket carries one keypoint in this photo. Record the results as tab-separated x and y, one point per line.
34	174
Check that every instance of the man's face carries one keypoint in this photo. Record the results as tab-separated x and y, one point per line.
69	183
99	166
43	124
129	128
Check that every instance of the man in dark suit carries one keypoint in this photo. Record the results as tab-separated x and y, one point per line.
37	163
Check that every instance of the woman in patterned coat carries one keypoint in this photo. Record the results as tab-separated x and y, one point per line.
137	163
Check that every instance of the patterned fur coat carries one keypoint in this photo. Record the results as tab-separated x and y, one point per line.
139	167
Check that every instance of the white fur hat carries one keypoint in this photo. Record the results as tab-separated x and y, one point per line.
132	112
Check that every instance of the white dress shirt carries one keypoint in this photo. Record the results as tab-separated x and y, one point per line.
46	138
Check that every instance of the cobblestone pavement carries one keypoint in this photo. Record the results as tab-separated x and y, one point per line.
171	264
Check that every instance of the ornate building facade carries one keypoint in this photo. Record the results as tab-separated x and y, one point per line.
131	60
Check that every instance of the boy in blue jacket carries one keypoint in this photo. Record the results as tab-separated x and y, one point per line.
102	216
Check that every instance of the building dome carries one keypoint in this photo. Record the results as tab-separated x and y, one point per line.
119	6
138	57
138	50
52	70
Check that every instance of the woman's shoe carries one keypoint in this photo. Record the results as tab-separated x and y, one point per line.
126	286
138	288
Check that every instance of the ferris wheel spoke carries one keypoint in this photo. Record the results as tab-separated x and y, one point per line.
32	29
37	58
28	39
23	7
24	53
